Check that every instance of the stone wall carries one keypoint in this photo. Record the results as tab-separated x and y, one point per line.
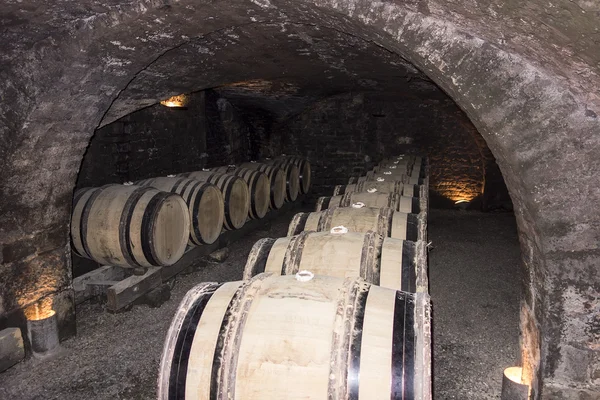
345	135
159	141
154	141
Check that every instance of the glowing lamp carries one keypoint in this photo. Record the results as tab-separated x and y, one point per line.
461	204
513	387
179	101
42	328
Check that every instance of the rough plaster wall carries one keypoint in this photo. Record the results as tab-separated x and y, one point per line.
526	74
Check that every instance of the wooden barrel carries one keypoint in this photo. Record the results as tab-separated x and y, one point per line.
393	200
129	226
384	221
417	174
236	197
292	178
411	180
205	205
304	170
225	169
382	261
276	178
389	186
274	337
402	158
400	166
260	191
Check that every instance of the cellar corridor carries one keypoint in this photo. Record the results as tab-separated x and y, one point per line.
474	285
500	99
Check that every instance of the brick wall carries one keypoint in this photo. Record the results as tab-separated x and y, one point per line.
155	141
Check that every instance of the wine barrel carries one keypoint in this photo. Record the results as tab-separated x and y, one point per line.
304	170
129	226
411	180
404	158
292	178
384	221
205	205
260	191
236	197
276	178
399	166
275	337
417	174
377	199
386	262
225	169
388	186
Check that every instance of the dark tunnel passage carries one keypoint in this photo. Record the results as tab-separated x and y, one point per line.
344	84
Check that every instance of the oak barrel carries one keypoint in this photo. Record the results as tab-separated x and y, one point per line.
275	337
377	199
292	178
236	197
225	169
260	191
129	226
384	221
379	260
384	186
304	170
415	176
276	178
399	166
205	205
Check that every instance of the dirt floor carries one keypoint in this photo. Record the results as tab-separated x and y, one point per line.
474	285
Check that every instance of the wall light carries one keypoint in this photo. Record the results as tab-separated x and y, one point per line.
513	387
179	101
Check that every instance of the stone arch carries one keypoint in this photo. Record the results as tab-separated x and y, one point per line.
535	112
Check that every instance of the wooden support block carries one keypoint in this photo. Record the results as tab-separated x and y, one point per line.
128	290
99	288
188	260
85	291
12	350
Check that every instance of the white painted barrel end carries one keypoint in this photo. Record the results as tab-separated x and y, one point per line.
304	276
339	230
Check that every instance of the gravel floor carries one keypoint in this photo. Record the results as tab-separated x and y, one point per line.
474	284
473	269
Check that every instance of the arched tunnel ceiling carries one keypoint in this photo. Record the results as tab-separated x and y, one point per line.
286	65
